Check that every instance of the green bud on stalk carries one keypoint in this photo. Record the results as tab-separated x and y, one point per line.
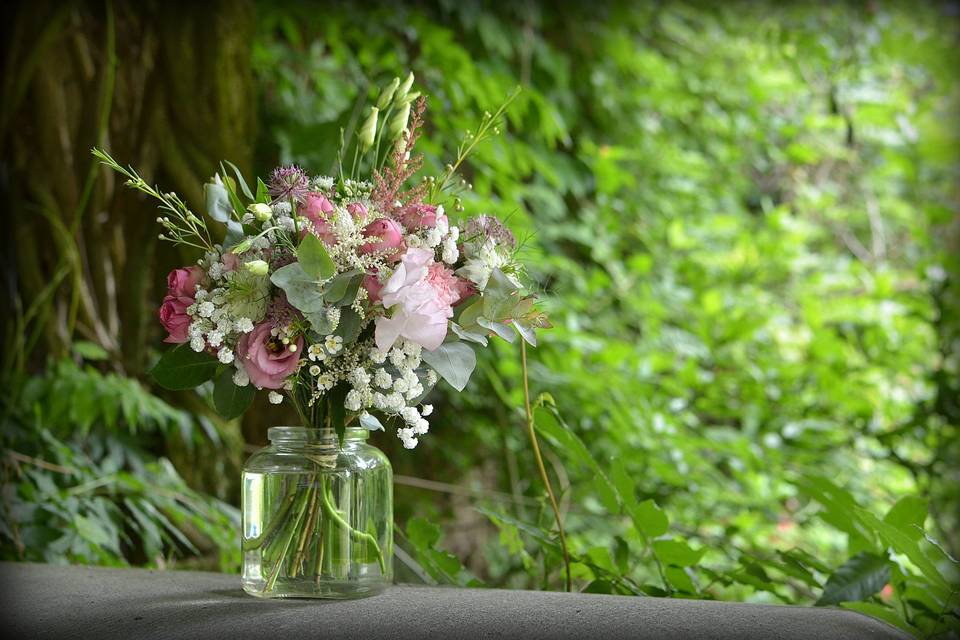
369	129
260	211
413	95
405	87
398	123
257	267
242	247
387	94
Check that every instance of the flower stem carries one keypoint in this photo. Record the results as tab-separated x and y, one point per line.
543	471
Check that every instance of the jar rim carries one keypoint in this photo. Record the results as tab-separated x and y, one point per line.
312	434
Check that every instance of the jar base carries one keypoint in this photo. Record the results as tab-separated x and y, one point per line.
309	588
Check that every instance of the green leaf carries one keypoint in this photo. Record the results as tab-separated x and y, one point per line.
505	331
621	555
183	368
303	290
89	350
91	531
902	543
314	259
881	612
230	400
349	326
341	290
263	193
243	183
677	552
649	519
908	514
549	422
453	361
218	202
471	336
679	579
856	579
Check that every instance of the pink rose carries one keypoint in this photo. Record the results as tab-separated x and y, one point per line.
421	306
174	318
373	286
183	282
316	208
268	361
389	239
358	211
416	216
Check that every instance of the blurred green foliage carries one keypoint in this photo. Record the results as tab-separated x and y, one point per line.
745	224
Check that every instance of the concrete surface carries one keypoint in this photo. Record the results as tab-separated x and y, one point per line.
44	601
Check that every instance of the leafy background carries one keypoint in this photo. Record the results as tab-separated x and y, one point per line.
744	221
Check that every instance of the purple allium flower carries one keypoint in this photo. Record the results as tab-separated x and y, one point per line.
490	227
289	182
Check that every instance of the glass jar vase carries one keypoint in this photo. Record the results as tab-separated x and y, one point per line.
317	518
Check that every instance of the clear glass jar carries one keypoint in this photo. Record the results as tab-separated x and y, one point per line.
317	519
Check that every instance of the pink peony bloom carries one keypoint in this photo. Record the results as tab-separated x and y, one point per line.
183	282
358	211
373	286
416	216
422	303
174	318
268	361
388	236
317	209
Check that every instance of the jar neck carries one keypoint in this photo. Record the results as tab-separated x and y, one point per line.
296	438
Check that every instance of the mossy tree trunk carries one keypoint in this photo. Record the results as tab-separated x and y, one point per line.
167	90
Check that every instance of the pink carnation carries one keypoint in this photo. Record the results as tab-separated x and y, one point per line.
174	318
267	360
450	289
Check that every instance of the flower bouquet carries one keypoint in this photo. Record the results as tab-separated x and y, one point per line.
350	297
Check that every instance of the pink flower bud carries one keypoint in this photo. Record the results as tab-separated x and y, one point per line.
417	216
184	281
316	208
174	318
386	237
373	286
358	211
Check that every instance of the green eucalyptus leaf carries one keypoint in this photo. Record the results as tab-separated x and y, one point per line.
505	331
453	361
183	368
471	336
229	400
303	290
314	259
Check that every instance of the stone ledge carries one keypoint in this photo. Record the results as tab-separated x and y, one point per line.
45	601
